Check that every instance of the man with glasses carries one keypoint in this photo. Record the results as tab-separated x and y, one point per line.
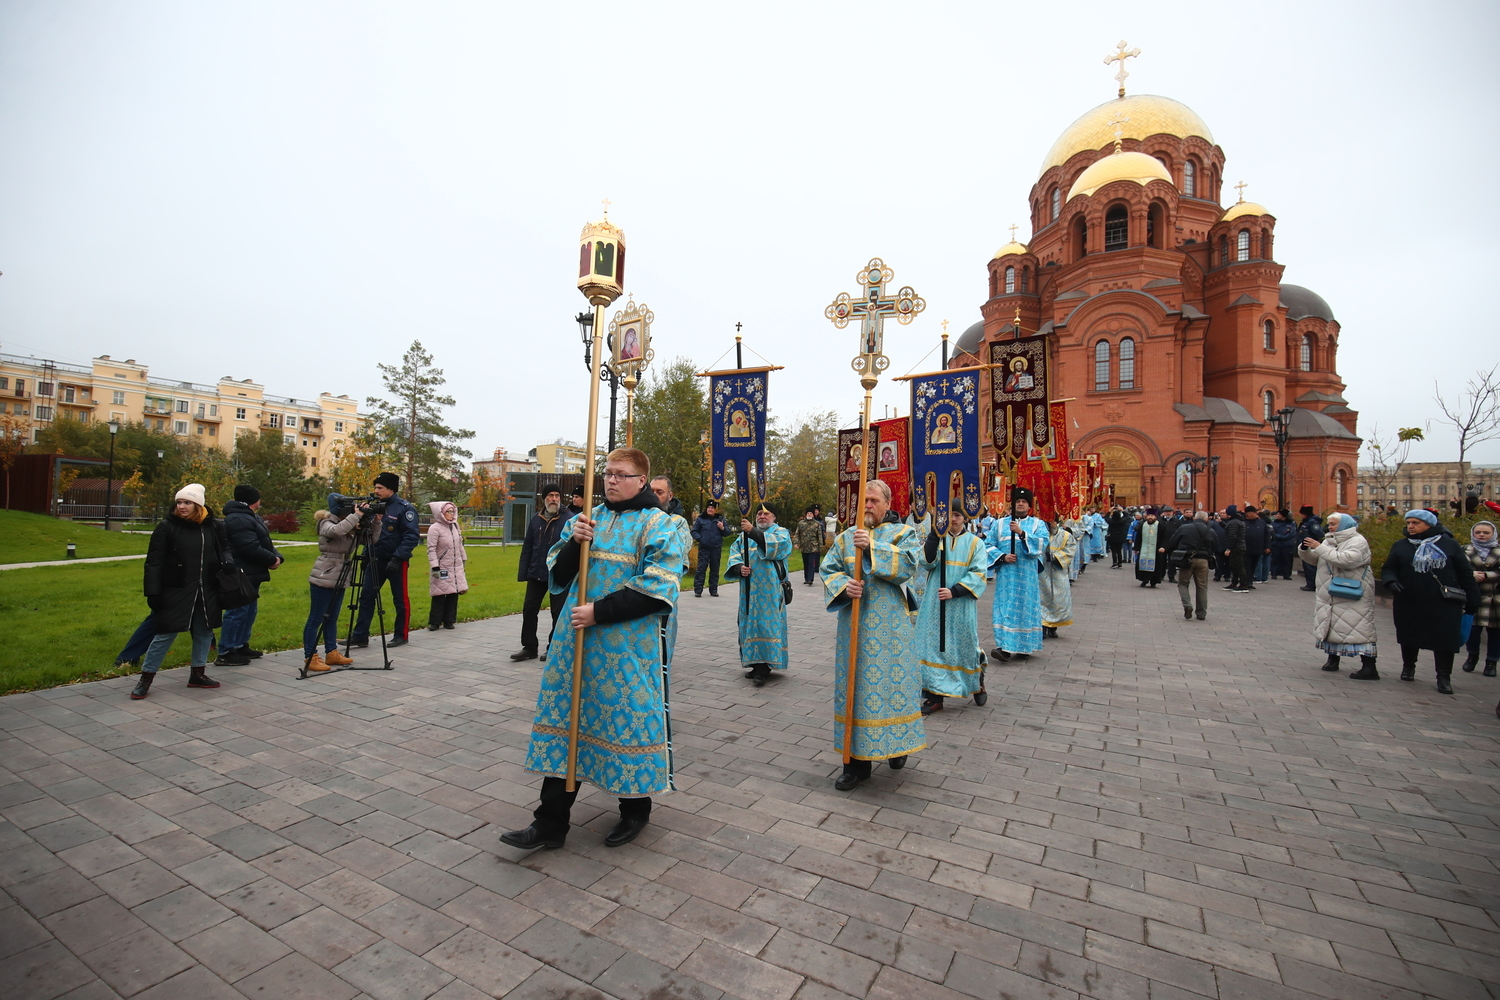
624	739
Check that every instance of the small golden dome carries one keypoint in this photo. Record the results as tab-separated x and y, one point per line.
1244	208
1010	249
1149	115
1136	167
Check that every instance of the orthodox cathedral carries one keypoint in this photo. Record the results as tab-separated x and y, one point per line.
1180	350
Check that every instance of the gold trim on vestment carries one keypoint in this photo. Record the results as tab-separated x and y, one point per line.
619	557
889	756
944	666
596	741
894	720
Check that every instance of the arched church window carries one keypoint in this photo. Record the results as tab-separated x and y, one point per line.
1080	238
1155	225
1056	203
1101	366
1268	335
1268	398
1341	487
1010	281
1127	363
1116	228
1305	360
1025	280
1223	250
1242	245
1190	179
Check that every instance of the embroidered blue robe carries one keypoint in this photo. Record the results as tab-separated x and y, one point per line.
1018	597
957	669
1056	589
625	736
763	626
1096	524
685	533
887	678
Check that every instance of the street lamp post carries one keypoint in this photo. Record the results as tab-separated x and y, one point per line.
606	373
109	488
1213	481
1281	422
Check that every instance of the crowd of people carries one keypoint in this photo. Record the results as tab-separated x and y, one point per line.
906	594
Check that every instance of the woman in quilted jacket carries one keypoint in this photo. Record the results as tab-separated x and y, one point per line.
1343	625
446	557
1483	551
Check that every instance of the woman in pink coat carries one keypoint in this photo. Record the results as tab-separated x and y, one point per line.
446	556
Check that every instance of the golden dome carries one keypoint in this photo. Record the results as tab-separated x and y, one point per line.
1149	115
1136	167
1010	250
1244	208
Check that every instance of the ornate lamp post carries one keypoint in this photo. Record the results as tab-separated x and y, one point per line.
109	488
585	323
1281	422
601	276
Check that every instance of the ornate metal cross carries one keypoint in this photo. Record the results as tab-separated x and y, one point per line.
871	310
1240	187
1120	56
1118	122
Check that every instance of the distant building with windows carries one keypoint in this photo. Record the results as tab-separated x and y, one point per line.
1426	484
560	457
501	464
41	391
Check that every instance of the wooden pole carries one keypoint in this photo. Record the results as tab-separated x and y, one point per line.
583	548
868	382
630	383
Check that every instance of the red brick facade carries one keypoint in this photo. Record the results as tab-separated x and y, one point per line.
1171	330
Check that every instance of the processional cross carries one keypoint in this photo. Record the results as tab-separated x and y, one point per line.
1120	56
871	310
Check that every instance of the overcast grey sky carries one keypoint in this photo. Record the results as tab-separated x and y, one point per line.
291	192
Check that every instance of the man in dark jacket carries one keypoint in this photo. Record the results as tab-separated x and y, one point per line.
250	545
1234	550
1283	544
1221	536
1311	527
396	536
1257	548
541	535
708	532
1195	546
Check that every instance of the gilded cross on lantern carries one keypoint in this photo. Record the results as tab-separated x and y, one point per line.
1119	122
1240	187
1013	228
1120	56
871	310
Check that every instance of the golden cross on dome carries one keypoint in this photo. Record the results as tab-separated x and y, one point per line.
945	328
606	203
1013	228
1119	122
1240	187
1120	56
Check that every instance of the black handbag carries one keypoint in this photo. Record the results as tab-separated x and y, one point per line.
235	588
786	586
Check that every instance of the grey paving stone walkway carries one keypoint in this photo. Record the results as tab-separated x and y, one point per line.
1151	808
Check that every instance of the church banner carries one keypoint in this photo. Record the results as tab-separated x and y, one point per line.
737	425
945	442
852	474
1018	395
1048	473
893	460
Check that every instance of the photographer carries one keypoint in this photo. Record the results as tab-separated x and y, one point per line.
397	536
337	537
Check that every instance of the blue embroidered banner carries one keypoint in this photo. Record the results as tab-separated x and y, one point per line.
737	424
945	442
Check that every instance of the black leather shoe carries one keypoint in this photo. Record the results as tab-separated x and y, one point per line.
359	643
1489	668
1187	612
531	838
1408	671
233	658
1470	664
626	830
395	642
524	654
1000	655
253	654
848	780
1444	686
897	763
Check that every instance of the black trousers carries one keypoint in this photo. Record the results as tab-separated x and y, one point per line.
708	564
1474	637
552	816
1310	574
809	566
379	573
444	610
531	611
1117	551
1442	659
1238	577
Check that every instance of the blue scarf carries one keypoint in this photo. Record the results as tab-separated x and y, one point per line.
1430	555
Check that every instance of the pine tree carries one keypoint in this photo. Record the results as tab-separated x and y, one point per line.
426	449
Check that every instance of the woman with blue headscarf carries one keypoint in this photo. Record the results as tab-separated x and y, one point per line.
1343	625
1420	570
1483	551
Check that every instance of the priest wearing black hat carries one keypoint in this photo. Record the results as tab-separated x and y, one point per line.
397	537
1017	543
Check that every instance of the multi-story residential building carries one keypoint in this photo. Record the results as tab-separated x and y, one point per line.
42	391
560	457
1425	484
502	464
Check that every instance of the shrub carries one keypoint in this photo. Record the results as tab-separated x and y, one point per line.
1382	532
285	522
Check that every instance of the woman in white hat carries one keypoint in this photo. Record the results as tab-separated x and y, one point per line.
186	551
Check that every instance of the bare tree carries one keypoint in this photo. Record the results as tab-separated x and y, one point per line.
1386	458
1475	414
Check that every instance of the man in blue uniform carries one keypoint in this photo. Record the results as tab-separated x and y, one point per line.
397	537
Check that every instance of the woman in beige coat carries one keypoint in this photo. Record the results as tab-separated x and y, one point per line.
1343	626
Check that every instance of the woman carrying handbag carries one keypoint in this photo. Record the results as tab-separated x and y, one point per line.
1344	612
1434	587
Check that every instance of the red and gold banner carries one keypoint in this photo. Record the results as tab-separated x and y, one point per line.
1047	472
893	460
852	475
1019	380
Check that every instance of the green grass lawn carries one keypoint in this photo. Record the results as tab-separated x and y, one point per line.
38	538
66	624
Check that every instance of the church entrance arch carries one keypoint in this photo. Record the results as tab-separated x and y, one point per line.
1122	472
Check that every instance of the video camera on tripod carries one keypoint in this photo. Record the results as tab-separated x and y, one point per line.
340	505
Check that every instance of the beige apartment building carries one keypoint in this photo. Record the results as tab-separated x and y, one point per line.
560	457
41	391
501	464
1425	484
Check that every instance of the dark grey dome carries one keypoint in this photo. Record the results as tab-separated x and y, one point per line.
968	341
1304	302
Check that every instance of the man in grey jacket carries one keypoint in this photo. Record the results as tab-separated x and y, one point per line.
1193	551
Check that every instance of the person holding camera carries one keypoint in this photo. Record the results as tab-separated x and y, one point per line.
446	557
250	545
337	537
396	539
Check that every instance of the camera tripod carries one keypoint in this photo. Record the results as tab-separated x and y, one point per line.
353	579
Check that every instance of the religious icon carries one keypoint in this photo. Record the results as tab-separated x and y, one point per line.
630	346
739	424
944	433
888	461
1184	481
856	455
1019	379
